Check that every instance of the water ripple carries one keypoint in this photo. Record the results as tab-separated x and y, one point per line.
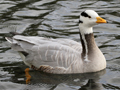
57	19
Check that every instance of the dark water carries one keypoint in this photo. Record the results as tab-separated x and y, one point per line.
58	19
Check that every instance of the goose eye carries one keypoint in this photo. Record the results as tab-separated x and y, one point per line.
89	16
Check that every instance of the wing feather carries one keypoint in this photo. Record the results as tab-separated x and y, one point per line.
61	58
41	40
46	51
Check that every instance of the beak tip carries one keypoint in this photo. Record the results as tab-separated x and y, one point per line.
100	20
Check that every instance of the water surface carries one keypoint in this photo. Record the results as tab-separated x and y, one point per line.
58	19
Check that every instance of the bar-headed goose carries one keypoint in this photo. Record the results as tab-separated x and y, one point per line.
63	56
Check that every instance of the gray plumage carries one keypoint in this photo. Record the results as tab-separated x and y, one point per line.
57	53
63	56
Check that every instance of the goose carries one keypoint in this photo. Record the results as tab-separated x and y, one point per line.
63	56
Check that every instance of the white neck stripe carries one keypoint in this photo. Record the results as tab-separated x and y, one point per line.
86	48
85	30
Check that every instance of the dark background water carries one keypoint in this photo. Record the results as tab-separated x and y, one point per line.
58	19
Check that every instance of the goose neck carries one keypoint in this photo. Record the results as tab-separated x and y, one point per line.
88	44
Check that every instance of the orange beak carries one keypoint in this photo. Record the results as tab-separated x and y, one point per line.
100	20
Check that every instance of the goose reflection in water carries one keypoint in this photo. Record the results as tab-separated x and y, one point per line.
92	84
88	81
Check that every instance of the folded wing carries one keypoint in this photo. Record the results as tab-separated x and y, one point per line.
45	51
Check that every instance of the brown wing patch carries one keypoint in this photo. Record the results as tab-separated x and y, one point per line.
46	68
33	67
43	68
49	69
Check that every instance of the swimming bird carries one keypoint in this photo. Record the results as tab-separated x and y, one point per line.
63	56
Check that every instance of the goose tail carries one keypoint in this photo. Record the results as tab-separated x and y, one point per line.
9	39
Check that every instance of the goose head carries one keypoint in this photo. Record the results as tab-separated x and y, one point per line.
88	19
